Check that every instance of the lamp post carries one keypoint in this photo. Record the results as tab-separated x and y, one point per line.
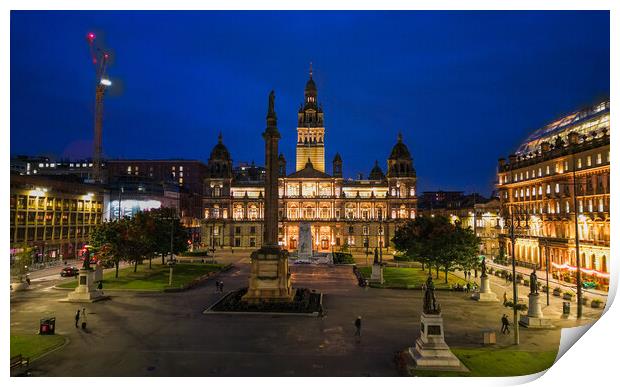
547	270
577	257
515	296
171	261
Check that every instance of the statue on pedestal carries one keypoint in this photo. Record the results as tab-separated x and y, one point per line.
430	303
86	256
533	282
483	267
376	261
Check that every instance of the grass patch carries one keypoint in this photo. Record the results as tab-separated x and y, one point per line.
33	346
497	362
152	279
407	278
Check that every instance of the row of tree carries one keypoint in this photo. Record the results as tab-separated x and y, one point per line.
142	237
438	243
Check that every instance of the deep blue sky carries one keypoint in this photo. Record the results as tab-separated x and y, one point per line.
465	88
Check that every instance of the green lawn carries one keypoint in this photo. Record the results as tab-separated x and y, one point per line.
497	362
403	277
33	346
152	279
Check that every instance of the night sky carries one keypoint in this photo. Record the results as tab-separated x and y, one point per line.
465	88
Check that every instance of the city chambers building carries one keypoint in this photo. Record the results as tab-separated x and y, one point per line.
360	214
563	163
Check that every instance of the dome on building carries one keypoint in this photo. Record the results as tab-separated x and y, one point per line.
376	173
400	150
220	152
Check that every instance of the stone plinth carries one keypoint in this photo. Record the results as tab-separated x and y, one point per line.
270	280
431	351
304	246
534	317
86	290
485	294
377	273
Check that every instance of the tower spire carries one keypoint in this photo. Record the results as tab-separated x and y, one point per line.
310	69
219	137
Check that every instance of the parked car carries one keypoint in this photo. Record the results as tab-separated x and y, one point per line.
69	271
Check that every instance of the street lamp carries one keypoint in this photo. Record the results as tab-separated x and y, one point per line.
577	257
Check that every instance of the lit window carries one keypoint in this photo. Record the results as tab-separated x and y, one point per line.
579	163
540	190
70	165
590	205
565	166
180	167
539	172
527	174
567	207
601	205
129	170
53	165
40	165
589	161
557	207
548	189
599	158
547	170
557	188
181	180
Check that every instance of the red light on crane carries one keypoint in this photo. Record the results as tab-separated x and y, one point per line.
90	36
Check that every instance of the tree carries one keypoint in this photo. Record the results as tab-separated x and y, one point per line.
22	261
435	242
166	222
417	239
109	242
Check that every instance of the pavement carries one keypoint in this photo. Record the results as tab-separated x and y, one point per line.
167	334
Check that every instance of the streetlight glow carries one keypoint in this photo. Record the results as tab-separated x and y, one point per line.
105	82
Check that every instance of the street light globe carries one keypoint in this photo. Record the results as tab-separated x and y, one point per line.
105	82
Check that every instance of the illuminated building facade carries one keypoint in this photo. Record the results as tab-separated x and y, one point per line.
360	214
53	215
536	189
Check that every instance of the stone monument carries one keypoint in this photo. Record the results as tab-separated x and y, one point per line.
485	293
270	279
431	351
377	270
304	249
86	291
534	317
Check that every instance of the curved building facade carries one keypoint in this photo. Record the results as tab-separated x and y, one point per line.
560	165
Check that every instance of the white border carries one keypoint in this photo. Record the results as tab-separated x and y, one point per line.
591	361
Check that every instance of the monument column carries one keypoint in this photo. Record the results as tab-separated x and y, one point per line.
270	280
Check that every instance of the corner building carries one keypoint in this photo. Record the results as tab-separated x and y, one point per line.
537	190
360	214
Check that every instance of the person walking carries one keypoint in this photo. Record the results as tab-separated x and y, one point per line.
100	286
221	286
77	318
358	328
505	325
217	286
84	318
505	298
468	287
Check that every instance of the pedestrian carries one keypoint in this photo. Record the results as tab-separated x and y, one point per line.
505	298
505	325
77	318
221	286
28	279
468	287
84	318
358	327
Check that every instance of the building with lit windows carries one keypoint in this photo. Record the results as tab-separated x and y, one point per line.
145	184
53	215
360	214
537	191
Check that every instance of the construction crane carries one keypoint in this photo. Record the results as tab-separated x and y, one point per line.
100	59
